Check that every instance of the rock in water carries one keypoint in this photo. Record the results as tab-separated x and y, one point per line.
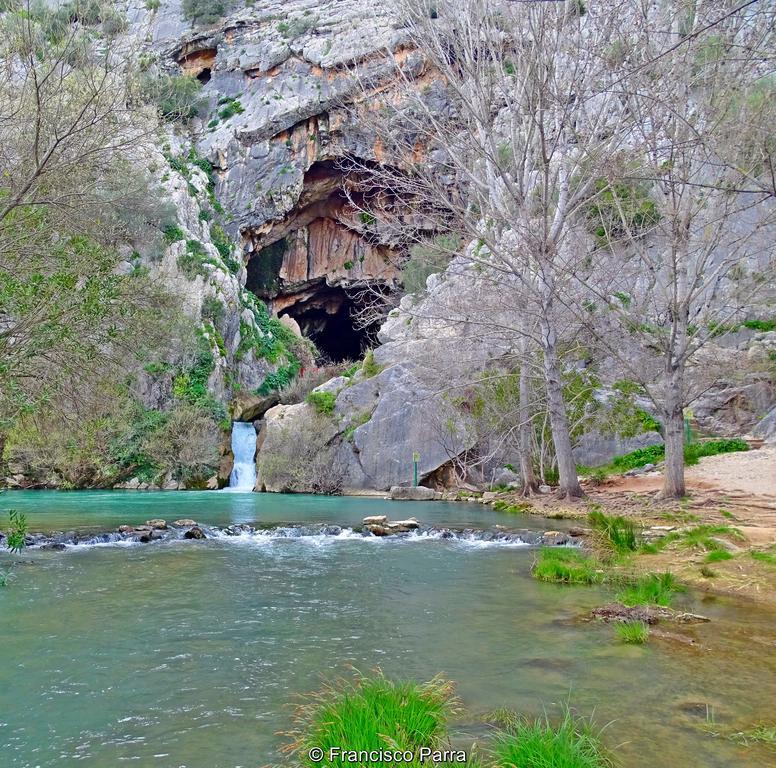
157	524
375	520
184	522
194	533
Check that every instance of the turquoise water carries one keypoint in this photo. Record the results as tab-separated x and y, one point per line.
191	653
102	510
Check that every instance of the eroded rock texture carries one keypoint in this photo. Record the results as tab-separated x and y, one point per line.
279	79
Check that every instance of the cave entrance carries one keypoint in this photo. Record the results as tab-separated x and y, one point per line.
326	318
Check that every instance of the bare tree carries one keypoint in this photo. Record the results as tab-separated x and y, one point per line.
71	135
688	217
502	124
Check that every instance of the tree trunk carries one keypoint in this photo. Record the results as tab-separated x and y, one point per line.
525	438
673	476
559	423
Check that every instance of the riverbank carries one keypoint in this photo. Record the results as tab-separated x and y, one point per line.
719	539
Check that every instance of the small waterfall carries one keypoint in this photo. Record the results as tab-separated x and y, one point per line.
243	476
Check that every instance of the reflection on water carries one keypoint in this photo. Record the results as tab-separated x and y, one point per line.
190	653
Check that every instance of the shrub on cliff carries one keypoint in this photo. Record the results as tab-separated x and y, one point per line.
205	11
323	402
177	97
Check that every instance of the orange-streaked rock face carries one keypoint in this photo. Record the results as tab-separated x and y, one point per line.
198	61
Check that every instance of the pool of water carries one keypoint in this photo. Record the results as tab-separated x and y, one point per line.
191	653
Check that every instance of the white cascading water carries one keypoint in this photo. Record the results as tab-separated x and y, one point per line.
243	476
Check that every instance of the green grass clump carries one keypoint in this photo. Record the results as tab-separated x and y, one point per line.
717	555
653	589
700	537
635	632
521	508
764	557
323	402
372	714
566	566
369	367
762	734
572	743
618	532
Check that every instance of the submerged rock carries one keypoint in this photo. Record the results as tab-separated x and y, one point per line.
194	533
650	614
184	522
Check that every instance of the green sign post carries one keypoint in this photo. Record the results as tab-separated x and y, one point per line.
415	461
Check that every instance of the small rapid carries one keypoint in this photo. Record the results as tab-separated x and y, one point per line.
243	476
316	534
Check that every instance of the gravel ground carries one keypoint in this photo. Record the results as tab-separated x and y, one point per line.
748	471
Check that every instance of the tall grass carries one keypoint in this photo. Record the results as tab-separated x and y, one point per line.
617	533
372	714
572	743
566	566
653	589
635	632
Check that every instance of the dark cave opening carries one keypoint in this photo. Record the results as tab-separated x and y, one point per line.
204	76
326	319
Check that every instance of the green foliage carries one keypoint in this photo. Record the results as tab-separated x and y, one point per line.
268	338
372	714
193	260
572	743
323	402
17	531
521	508
426	259
620	210
653	589
759	734
230	108
701	537
369	367
173	233
718	555
205	11
279	379
565	565
296	26
129	449
224	245
213	309
696	451
190	385
618	532
265	267
357	421
635	632
769	558
177	97
692	453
